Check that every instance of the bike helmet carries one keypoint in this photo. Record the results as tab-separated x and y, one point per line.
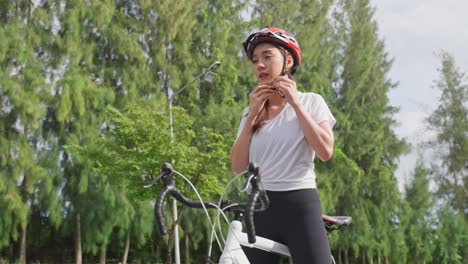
275	36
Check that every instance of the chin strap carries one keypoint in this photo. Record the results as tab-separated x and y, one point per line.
285	60
284	72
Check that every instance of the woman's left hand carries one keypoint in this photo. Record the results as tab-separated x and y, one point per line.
286	87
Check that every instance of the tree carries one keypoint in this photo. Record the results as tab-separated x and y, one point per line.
140	142
450	236
87	78
365	123
450	122
27	186
418	223
219	35
450	149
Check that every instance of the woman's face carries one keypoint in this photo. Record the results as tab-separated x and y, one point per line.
267	61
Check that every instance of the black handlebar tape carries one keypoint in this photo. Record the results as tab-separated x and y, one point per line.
249	222
264	201
253	169
159	212
179	197
190	203
166	168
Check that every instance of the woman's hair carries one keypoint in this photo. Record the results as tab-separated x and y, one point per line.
263	114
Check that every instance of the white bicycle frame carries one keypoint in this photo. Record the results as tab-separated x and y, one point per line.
233	253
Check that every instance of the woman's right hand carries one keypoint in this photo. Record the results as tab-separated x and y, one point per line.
257	99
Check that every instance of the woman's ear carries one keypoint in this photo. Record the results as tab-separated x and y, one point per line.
290	62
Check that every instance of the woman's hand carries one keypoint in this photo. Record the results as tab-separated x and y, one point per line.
286	87
257	99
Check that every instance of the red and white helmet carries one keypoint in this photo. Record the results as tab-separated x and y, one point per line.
275	36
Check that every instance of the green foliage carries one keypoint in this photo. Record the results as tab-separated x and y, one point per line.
451	237
23	177
14	213
450	122
83	125
139	143
417	220
131	153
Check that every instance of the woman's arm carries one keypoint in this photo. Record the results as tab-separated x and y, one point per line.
319	136
240	149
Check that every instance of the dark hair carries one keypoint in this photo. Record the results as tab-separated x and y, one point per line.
263	114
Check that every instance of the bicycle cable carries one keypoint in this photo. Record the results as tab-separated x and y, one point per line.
222	212
219	211
221	200
202	203
213	228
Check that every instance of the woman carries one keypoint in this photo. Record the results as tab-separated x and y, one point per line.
281	131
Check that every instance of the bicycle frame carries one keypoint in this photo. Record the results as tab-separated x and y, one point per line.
233	253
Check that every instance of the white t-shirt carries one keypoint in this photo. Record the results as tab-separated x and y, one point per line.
280	150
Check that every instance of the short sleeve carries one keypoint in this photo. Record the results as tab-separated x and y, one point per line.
241	125
318	109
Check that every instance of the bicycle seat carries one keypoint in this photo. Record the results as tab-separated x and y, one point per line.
335	222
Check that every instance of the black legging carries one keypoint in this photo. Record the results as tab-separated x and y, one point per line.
294	218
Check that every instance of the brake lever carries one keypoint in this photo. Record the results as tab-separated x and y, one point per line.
253	172
166	170
247	183
155	180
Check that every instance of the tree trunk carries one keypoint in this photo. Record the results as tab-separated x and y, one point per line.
78	256
23	244
208	249
127	247
102	256
378	257
11	252
187	250
338	255
346	256
169	247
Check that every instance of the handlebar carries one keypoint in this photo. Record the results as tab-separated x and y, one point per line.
258	199
257	193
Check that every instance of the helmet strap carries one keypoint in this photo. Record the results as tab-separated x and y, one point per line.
285	61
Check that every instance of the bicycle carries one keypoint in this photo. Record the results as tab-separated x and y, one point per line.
232	252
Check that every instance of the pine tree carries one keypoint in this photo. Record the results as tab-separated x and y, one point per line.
365	126
218	38
450	236
27	185
77	97
417	224
450	122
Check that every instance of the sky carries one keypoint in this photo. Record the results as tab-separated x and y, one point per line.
414	33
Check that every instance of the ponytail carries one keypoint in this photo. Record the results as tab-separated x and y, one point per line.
261	118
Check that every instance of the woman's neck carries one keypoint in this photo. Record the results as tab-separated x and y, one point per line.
277	101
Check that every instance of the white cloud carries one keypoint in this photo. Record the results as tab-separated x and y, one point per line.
412	125
414	33
414	130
